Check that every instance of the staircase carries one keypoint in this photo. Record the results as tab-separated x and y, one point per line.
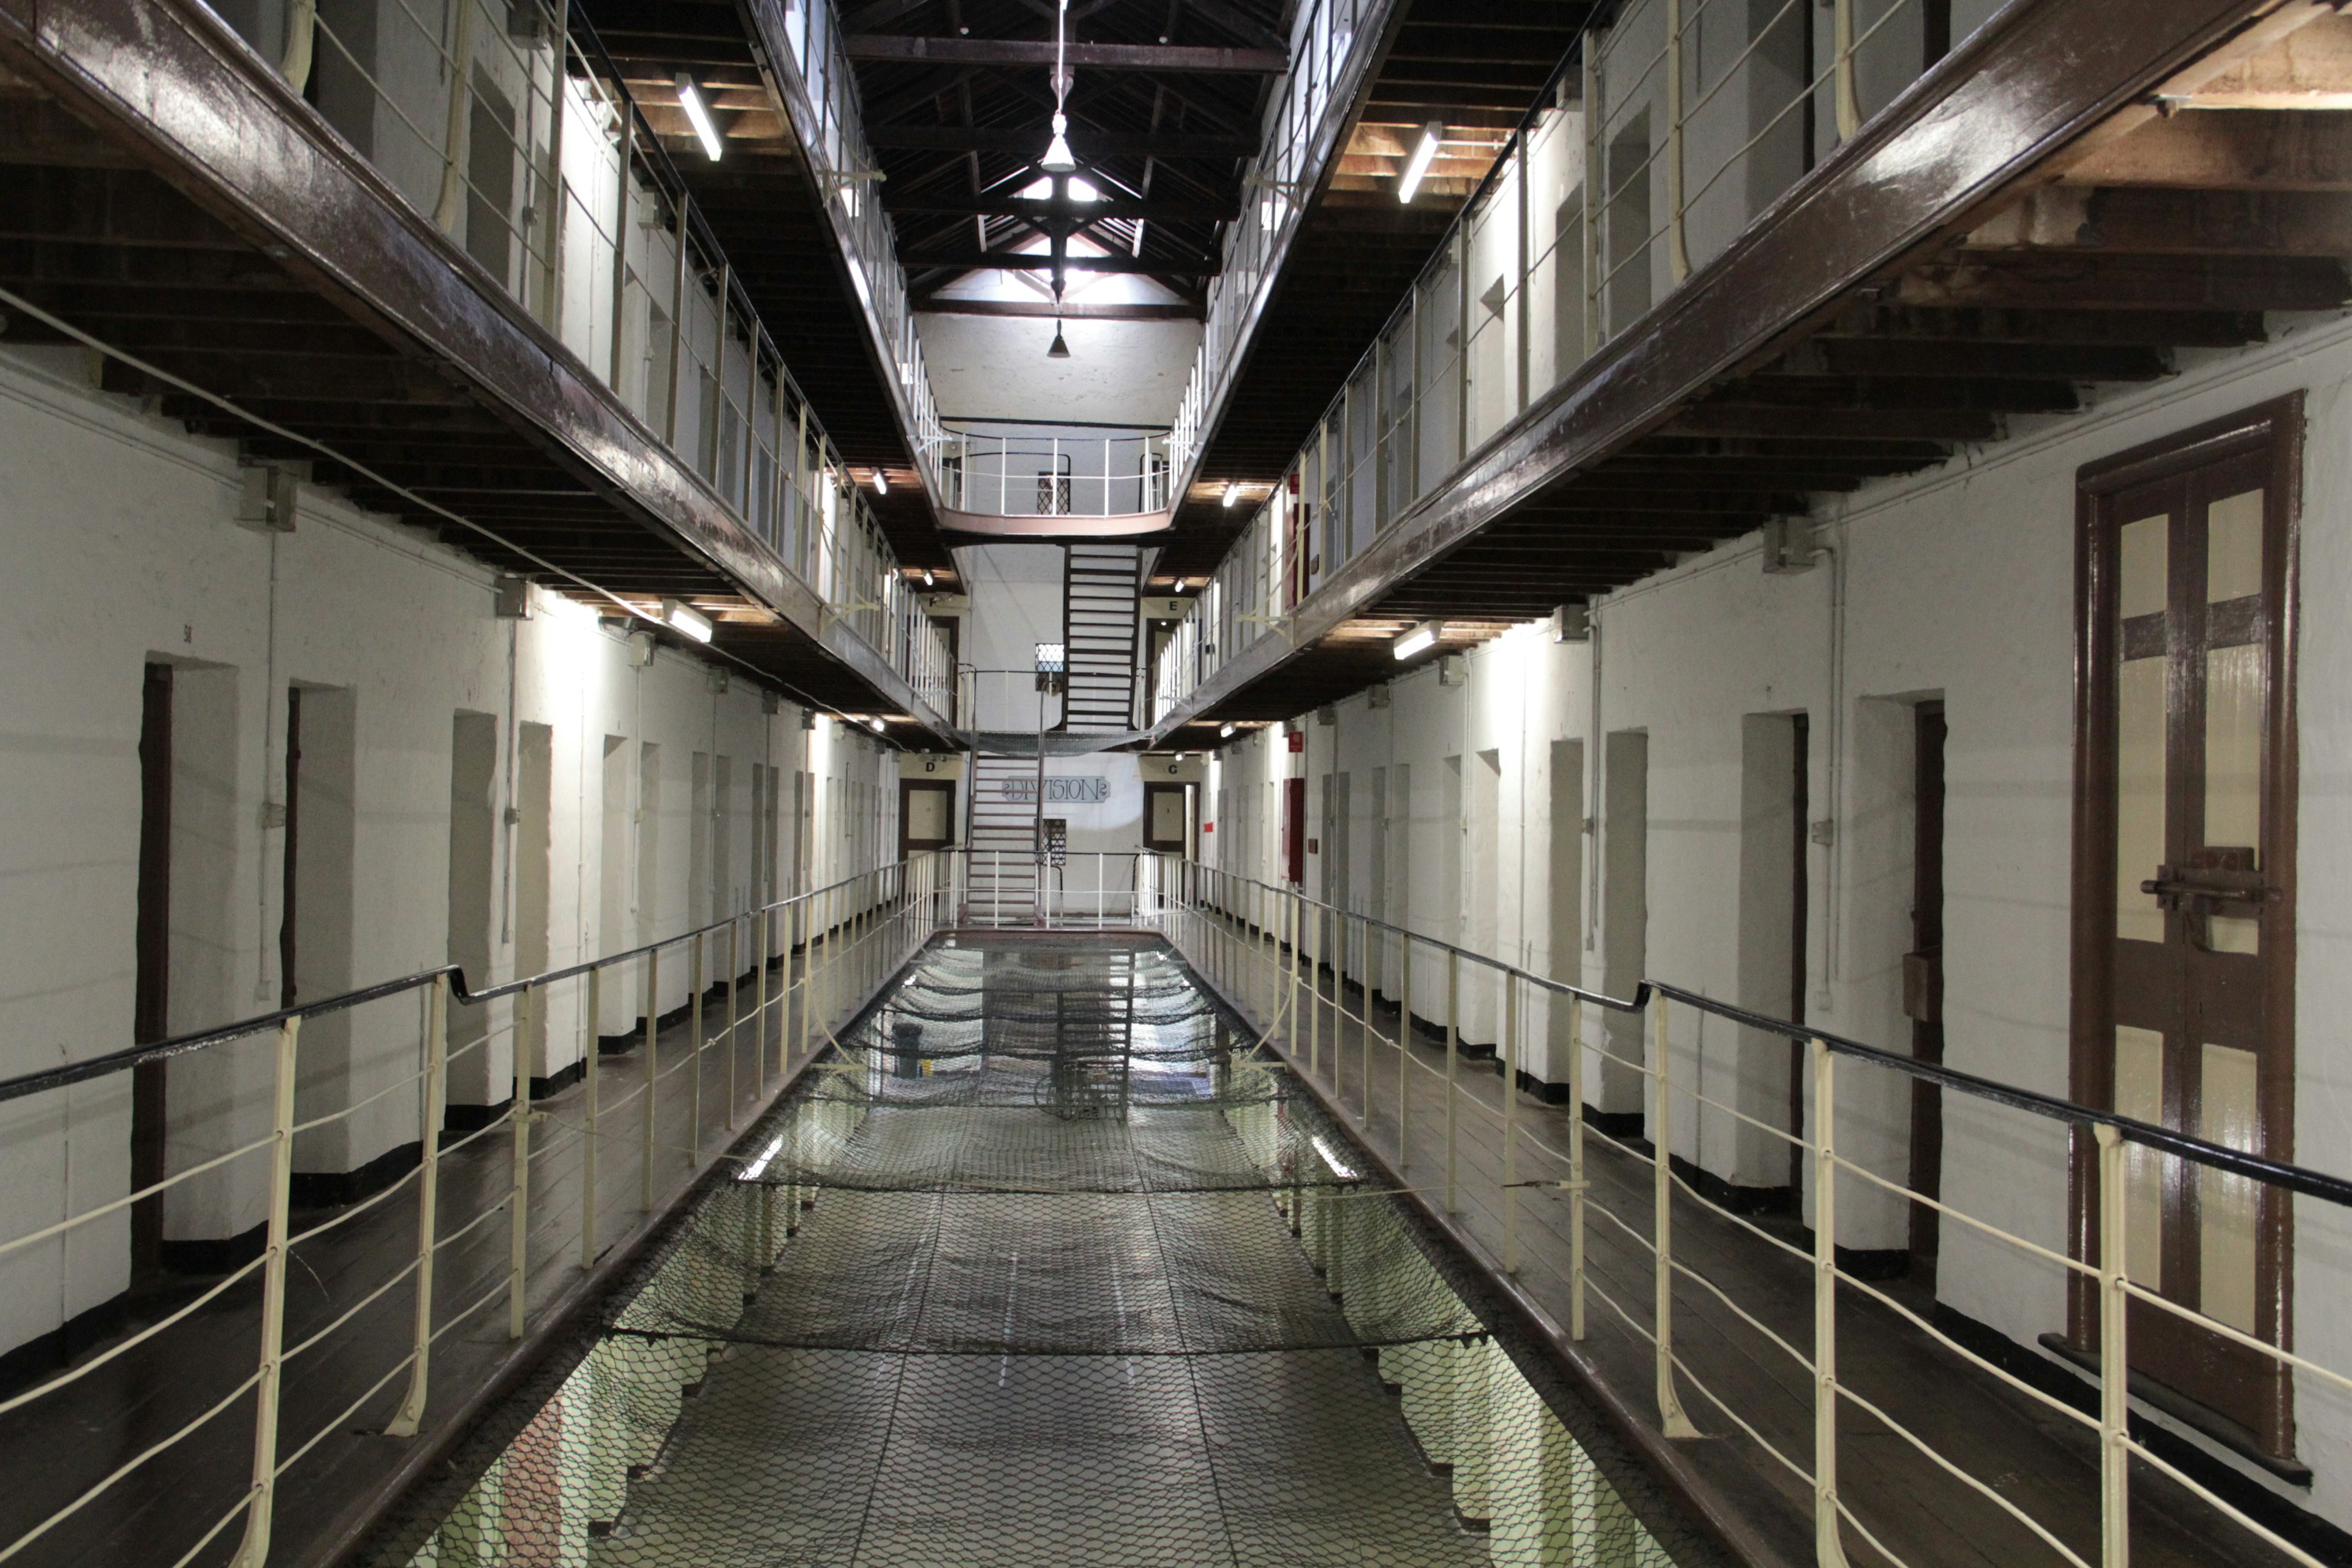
1001	889
1101	624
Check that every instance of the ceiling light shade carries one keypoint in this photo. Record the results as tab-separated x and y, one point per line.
1226	733
1416	168
699	116
881	483
876	724
1419	640
686	620
1061	349
1058	159
1233	491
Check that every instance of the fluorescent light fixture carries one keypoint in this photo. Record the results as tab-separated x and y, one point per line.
1233	491
874	724
689	99
1419	640
1058	159
1416	168
1226	733
1339	1168
684	619
881	483
928	581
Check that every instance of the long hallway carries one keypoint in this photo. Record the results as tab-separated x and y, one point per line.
1015	1283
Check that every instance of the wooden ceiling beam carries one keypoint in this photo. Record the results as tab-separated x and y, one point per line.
1041	53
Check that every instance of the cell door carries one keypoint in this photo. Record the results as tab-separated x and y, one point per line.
2184	892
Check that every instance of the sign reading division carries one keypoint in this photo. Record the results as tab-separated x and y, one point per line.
1060	792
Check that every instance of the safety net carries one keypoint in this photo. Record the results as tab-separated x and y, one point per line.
933	1318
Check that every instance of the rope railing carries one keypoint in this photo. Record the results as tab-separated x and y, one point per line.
1287	960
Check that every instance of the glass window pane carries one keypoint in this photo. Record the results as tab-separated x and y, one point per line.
2139	1094
2234	683
2226	1202
2143	555
2139	796
2233	547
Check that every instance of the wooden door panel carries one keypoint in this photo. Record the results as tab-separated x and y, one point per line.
2183	890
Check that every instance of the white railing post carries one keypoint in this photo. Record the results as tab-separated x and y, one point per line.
695	1042
1828	1552
734	979
1576	1167
528	1006
1404	1050
1849	101
588	1105
1364	1037
1671	1419
760	1003
254	1551
404	1420
652	1077
1677	250
1453	1068
2115	1359
1510	1121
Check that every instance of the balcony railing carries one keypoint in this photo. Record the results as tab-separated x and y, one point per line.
512	130
1056	471
1548	261
1381	1019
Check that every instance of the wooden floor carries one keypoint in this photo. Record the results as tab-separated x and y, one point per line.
2040	1461
55	1449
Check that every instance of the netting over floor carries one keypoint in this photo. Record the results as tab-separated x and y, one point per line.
941	1315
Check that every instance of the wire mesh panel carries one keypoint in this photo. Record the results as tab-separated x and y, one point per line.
1179	1328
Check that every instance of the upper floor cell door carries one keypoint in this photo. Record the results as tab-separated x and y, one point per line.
2184	891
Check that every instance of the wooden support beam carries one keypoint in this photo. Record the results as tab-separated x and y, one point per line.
1889	357
1155	209
1046	310
971	257
1086	141
1849	423
1039	53
2240	149
2174	329
2129	282
2156	222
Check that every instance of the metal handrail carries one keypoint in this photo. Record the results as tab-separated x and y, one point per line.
22	1084
1270	960
2298	1178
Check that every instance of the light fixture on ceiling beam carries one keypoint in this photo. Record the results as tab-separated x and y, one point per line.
698	115
928	582
1058	159
1061	346
1226	733
1419	640
881	483
1233	492
875	725
686	620
1416	168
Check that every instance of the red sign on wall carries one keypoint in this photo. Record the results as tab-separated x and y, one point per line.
1298	740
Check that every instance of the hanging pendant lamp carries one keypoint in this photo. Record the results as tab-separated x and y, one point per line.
1058	159
1061	349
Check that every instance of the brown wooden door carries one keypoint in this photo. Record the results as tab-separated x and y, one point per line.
2184	907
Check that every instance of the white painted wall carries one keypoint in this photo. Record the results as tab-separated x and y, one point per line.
119	535
995	367
1959	585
